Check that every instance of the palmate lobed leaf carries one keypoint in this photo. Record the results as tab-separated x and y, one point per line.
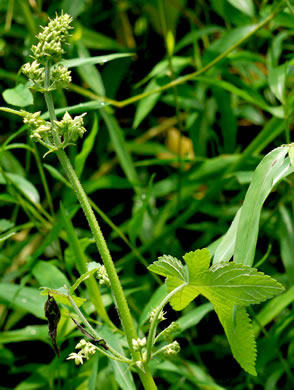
229	287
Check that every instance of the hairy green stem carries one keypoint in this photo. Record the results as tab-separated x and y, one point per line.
154	322
122	305
81	262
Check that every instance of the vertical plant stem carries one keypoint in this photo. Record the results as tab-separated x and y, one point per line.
122	305
91	283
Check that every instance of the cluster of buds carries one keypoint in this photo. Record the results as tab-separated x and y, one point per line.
171	349
86	350
139	344
102	275
160	317
49	48
65	131
169	332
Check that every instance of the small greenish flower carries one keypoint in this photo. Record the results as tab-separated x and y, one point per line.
169	332
33	120
171	349
60	77
34	72
160	317
87	349
77	357
102	275
51	38
138	344
70	128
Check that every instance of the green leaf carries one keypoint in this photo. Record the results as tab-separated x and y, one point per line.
119	144
229	287
244	6
236	284
123	376
74	62
240	335
146	104
19	96
269	172
57	175
5	224
35	332
49	275
89	72
225	248
22	184
277	78
92	268
194	316
197	261
61	296
169	266
26	299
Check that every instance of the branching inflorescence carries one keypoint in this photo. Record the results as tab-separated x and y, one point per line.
45	75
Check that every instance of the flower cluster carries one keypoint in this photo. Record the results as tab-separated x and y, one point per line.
160	317
171	349
51	38
169	332
49	48
86	350
102	275
66	131
138	344
69	129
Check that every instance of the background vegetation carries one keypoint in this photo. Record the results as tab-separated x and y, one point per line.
166	173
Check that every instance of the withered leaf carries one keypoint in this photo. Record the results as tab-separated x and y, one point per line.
52	313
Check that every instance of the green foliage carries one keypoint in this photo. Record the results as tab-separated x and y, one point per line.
229	287
188	104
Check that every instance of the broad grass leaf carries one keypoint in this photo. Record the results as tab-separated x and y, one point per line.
240	335
101	60
192	318
55	173
22	184
30	332
225	248
122	374
244	6
271	169
94	40
277	79
49	275
286	237
88	72
5	224
146	104
249	95
20	96
26	299
119	145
